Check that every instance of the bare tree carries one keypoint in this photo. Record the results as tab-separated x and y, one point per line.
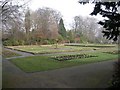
10	11
85	28
45	22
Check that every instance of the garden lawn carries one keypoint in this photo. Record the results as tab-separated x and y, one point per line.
44	49
44	63
7	54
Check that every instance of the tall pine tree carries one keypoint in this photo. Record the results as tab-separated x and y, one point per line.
62	30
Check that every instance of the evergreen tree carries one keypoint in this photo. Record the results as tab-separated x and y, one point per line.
27	25
62	30
27	21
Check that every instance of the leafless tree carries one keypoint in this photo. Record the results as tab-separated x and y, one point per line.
45	22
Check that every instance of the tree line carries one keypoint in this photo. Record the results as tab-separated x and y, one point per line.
46	26
42	26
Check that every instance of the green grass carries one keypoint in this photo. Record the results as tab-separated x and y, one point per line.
7	54
44	49
44	63
49	49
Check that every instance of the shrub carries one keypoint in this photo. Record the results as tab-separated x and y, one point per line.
52	41
13	42
22	42
7	43
45	42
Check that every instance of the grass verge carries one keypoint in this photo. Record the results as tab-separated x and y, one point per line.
44	63
7	54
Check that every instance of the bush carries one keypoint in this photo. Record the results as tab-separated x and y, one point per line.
52	41
7	43
21	42
60	38
13	42
72	41
45	42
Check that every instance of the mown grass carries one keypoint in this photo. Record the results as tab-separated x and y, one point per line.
48	48
7	54
44	49
44	63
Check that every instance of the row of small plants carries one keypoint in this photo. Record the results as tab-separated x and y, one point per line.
113	52
69	57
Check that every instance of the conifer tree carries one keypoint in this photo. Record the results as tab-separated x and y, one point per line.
62	30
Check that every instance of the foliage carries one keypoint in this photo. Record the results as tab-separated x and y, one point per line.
27	24
112	23
62	30
60	39
13	42
27	21
87	30
70	36
112	29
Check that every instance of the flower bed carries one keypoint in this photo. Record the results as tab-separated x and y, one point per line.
69	57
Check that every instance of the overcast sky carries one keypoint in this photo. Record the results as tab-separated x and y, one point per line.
68	8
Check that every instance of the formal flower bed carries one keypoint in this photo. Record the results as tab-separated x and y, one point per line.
69	57
113	52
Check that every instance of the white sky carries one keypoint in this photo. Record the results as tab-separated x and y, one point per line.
68	8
